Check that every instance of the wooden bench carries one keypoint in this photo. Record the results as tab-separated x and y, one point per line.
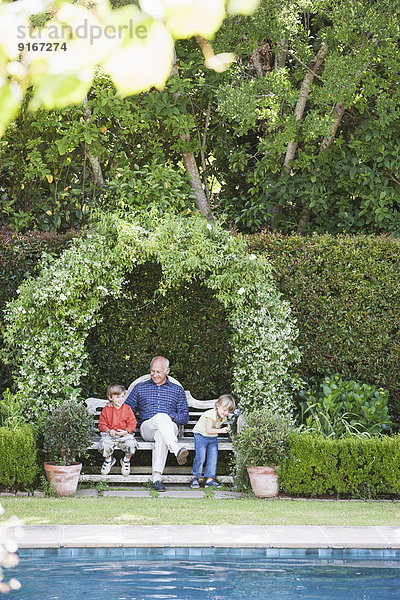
172	474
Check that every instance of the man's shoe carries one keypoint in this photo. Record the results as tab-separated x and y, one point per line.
158	486
194	483
182	455
212	483
125	467
106	466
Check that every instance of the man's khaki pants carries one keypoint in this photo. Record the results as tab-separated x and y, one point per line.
161	430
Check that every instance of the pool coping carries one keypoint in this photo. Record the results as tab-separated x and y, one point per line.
211	536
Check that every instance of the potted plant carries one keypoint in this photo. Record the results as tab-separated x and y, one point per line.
260	446
68	430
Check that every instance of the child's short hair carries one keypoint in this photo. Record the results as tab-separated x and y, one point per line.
115	388
226	400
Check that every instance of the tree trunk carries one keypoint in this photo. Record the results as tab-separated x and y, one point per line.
338	112
189	161
257	63
298	112
94	160
301	103
280	57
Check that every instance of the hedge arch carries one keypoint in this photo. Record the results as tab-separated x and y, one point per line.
48	323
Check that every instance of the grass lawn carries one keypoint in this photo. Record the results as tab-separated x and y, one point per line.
198	511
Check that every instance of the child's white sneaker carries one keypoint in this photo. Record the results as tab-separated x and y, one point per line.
106	466
125	467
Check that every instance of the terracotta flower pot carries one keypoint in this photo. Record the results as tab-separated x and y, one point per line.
63	478
264	481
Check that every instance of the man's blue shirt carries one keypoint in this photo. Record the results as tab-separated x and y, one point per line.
148	399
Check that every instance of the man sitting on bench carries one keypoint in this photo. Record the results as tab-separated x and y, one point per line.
161	406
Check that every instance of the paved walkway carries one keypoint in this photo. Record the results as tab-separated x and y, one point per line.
235	536
178	491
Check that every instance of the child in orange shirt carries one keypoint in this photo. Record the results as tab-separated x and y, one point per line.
116	424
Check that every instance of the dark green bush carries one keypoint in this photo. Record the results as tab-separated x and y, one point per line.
188	326
261	442
18	466
350	467
345	294
68	430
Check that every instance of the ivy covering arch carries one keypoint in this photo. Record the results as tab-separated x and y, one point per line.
48	323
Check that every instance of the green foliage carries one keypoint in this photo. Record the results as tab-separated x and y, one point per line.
345	297
46	181
344	183
52	357
11	412
47	488
238	124
50	360
341	407
19	256
158	183
354	467
261	442
18	467
68	430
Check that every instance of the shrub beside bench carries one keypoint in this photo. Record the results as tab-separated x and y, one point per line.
172	473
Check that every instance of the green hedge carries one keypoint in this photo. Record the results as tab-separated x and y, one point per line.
345	294
18	468
351	467
188	325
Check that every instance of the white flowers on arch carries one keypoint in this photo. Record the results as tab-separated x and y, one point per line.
48	323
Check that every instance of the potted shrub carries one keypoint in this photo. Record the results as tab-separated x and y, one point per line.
68	430
260	445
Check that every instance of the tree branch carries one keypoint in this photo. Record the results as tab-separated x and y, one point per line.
94	160
293	55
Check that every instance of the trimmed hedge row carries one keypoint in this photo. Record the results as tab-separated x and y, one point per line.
354	467
345	295
18	467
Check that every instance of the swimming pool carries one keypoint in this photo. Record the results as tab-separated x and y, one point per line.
206	574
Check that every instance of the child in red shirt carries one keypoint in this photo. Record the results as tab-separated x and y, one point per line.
116	424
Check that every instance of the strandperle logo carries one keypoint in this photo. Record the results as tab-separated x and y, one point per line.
83	31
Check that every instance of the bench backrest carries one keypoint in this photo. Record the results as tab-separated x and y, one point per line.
196	407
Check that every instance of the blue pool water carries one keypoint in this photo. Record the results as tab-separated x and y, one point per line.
209	576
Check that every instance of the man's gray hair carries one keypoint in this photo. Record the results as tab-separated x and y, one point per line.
166	361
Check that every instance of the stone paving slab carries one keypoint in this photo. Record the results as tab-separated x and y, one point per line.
264	536
171	492
139	493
